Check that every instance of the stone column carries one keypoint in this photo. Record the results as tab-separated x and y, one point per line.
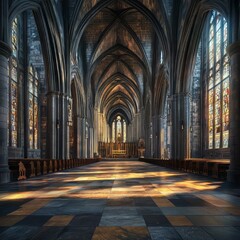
5	52
181	126
91	142
97	131
53	125
63	132
156	136
77	135
234	170
83	138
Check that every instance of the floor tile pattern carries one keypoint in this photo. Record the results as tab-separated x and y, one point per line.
116	200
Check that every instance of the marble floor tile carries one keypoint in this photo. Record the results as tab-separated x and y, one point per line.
37	221
179	221
149	211
223	233
118	211
156	220
232	210
119	200
163	202
121	233
47	233
216	201
19	233
196	233
188	211
163	233
85	220
58	221
144	202
76	233
7	221
180	203
122	220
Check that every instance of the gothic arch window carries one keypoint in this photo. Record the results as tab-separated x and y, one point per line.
26	75
124	131
119	127
113	131
218	82
33	110
14	37
13	86
119	130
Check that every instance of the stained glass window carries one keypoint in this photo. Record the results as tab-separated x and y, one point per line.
124	131
218	83
14	37
119	130
14	104
33	110
113	131
13	113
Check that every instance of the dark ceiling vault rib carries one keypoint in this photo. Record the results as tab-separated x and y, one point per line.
116	43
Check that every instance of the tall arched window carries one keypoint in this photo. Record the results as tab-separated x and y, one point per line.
14	38
113	131
119	130
13	87
33	108
218	83
124	131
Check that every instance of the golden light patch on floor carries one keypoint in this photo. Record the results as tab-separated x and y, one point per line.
8	221
215	200
59	221
179	221
163	202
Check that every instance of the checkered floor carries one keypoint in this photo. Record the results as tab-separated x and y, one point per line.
113	200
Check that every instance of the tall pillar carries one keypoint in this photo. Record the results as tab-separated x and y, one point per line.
156	136
5	52
82	136
4	96
78	136
53	125
96	122
63	132
181	126
91	142
234	170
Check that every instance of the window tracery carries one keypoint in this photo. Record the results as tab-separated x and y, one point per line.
119	130
218	83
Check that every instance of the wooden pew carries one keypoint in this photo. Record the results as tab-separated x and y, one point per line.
216	168
23	168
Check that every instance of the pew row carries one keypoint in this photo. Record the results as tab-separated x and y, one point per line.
23	168
216	168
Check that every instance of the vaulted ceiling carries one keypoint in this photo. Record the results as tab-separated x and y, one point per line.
117	52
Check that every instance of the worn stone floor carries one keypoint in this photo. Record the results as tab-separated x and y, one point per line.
113	200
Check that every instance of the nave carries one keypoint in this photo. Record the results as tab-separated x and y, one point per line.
116	199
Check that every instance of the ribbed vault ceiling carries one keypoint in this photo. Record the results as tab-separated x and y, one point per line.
117	52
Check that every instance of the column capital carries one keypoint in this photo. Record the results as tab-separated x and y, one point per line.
5	49
234	48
